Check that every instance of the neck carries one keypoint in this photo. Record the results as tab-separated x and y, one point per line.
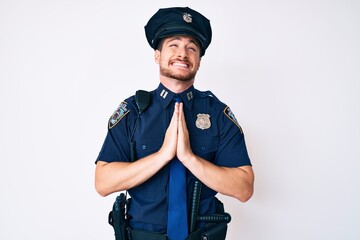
176	86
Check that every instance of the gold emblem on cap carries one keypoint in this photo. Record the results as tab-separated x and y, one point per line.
187	17
203	121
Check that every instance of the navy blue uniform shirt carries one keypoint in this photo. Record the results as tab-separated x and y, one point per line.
215	135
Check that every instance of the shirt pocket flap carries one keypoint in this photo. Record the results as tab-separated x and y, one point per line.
203	145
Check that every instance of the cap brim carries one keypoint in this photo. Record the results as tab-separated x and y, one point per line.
179	29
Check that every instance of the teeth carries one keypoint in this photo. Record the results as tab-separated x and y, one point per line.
176	64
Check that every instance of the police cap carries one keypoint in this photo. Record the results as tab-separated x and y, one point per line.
178	21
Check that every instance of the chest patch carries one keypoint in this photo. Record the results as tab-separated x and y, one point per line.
232	117
119	113
203	121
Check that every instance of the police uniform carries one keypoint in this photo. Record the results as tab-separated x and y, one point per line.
214	132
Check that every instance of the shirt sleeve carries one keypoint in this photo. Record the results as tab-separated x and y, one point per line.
231	150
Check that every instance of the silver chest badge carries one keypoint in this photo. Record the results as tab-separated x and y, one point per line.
203	121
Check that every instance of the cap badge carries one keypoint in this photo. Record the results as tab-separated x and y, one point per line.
203	121
187	17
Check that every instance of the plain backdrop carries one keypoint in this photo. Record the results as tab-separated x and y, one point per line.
290	71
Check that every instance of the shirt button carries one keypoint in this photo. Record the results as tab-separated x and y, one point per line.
143	147
203	148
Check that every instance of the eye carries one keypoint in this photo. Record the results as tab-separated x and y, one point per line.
193	48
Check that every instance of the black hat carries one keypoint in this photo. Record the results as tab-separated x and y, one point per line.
178	21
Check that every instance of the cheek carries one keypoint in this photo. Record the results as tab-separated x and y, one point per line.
197	64
161	60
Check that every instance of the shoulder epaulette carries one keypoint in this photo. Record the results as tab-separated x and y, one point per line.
209	94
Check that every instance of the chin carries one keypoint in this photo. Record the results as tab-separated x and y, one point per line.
178	76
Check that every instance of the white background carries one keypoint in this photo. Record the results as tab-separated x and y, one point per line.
290	71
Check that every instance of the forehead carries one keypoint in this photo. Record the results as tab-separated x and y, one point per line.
186	38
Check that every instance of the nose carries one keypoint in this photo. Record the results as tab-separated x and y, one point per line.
182	53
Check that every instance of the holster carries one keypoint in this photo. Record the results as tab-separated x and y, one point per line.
211	231
117	218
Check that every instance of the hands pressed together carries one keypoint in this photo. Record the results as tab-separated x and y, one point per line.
176	142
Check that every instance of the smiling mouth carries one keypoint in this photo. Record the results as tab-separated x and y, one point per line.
180	64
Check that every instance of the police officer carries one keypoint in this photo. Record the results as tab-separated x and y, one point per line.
182	128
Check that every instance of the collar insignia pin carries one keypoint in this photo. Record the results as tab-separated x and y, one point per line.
189	95
203	121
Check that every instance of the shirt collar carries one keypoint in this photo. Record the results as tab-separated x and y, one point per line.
166	96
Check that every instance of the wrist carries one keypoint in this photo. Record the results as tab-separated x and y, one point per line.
164	156
189	159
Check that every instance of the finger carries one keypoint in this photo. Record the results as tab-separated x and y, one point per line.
175	116
180	111
182	122
171	137
183	146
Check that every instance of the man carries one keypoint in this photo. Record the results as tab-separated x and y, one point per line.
183	131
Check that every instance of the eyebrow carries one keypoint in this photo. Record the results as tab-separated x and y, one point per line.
192	40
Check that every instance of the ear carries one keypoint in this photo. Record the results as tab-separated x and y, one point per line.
157	56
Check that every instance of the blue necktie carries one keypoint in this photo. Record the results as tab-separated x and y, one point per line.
177	227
